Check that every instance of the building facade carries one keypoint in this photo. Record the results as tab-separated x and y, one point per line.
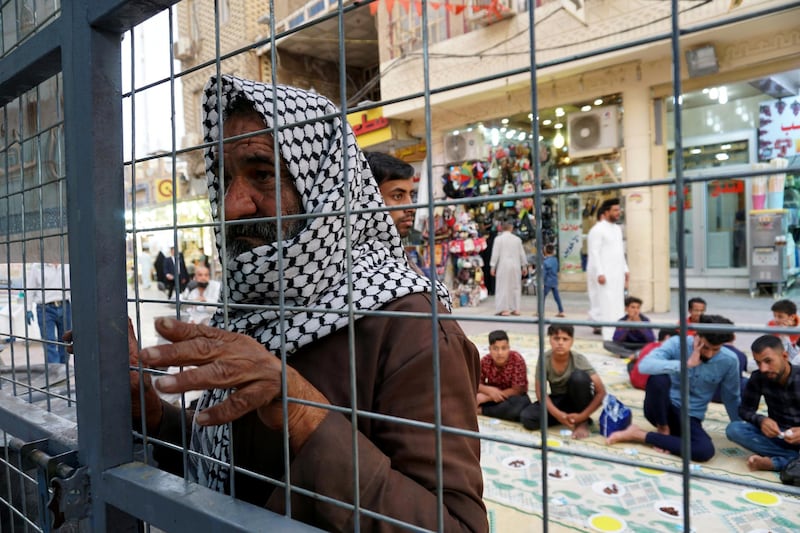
482	78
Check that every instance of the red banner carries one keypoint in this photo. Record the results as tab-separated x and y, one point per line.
492	6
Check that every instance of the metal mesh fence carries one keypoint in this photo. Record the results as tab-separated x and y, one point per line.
111	144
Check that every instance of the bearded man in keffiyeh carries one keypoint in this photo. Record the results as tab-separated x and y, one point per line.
316	286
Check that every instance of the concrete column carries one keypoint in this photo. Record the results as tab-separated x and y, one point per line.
646	233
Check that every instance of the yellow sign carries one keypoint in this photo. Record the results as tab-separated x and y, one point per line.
412	153
164	190
370	126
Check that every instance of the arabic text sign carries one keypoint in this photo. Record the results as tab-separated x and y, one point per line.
570	237
778	129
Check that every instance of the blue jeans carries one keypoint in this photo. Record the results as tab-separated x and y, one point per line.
556	296
750	437
659	411
54	321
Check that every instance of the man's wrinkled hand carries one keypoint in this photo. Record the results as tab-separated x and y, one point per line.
227	360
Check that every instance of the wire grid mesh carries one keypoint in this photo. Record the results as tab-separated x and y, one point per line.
36	297
21	491
170	176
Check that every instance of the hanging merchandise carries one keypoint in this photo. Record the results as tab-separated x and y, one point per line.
527	203
468	285
494	173
508	188
442	225
466	246
439	260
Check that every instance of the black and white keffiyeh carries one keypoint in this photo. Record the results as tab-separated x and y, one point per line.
314	145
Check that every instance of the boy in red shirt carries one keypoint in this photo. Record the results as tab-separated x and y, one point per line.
697	308
784	315
639	380
503	388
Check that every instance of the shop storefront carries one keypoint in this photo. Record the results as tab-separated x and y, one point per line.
195	239
578	146
734	128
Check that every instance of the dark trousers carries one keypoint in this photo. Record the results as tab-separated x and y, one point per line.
659	411
580	392
556	297
169	285
623	349
507	410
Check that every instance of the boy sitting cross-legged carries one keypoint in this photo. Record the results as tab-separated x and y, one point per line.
576	390
503	388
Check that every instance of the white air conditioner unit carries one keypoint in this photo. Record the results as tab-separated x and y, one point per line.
486	12
183	49
593	132
466	146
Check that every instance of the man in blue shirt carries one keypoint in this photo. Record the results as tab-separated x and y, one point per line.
710	363
775	439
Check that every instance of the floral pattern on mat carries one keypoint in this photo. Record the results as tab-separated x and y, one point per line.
596	495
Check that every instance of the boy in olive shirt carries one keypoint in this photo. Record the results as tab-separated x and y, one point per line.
576	390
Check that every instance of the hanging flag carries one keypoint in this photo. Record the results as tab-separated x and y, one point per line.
492	6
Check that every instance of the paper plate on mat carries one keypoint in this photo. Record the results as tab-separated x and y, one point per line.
669	509
516	462
607	523
559	473
760	497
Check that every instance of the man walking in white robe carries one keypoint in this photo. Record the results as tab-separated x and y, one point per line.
607	270
508	265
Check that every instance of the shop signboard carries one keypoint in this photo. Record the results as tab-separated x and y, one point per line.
376	132
570	236
164	190
778	129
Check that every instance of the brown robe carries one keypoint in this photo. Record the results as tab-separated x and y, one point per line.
397	463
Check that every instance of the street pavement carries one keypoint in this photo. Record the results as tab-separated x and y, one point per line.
749	314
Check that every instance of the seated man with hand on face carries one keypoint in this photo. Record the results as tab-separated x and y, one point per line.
308	262
710	363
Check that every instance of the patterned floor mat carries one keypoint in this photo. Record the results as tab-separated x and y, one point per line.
597	495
